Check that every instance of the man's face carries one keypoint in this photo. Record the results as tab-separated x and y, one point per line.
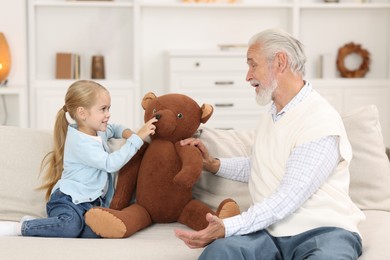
260	75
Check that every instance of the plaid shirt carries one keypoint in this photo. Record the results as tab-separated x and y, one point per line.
308	167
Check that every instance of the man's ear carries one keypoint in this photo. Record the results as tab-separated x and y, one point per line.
281	61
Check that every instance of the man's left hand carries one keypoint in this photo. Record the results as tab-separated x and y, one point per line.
198	239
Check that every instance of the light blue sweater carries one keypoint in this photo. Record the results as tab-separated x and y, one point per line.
88	163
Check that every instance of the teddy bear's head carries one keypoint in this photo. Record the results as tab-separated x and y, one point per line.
179	116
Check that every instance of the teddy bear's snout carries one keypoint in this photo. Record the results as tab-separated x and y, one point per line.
158	116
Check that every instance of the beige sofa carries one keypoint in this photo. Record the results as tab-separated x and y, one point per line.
23	149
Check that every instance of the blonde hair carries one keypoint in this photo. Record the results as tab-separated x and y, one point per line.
82	93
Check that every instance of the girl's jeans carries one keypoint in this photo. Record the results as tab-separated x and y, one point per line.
65	219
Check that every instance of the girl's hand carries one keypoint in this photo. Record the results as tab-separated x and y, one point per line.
148	129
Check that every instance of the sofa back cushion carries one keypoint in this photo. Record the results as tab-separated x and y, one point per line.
224	144
21	153
369	168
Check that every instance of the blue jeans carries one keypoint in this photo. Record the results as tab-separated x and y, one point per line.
321	243
65	219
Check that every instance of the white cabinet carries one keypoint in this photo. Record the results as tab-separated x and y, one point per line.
85	28
216	78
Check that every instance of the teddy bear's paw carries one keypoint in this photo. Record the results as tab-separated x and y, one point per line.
104	223
228	208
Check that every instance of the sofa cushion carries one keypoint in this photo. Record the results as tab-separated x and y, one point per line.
370	168
155	242
22	152
375	233
224	143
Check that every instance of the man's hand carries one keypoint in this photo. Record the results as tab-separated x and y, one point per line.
197	239
210	164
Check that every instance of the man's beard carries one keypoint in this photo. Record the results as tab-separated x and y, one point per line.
264	96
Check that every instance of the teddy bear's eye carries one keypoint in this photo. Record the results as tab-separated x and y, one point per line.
154	111
180	116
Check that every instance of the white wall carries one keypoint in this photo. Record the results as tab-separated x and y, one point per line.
13	25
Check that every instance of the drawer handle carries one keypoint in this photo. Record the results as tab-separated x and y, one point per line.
224	82
224	105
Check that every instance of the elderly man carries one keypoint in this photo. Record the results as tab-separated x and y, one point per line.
297	174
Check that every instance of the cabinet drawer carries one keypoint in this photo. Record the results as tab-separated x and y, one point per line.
208	81
230	105
208	63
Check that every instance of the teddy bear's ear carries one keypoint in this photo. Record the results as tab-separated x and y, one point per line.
207	111
147	98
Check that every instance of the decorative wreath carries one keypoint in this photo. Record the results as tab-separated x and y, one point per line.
348	49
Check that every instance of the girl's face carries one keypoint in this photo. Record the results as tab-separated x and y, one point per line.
96	118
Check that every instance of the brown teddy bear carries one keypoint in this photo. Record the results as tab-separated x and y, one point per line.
162	172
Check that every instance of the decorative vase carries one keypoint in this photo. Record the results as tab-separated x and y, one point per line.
98	67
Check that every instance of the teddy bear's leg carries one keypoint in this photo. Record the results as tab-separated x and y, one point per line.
127	178
194	215
110	223
228	208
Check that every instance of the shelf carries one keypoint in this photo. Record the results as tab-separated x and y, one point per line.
345	6
346	82
82	4
266	5
209	52
215	5
125	84
11	90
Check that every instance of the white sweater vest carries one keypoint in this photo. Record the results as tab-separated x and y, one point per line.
331	205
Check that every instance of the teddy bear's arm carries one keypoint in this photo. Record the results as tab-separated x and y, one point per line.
191	169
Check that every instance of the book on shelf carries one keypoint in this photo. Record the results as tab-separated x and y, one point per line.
67	66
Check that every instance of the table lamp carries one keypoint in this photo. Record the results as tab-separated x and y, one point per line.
5	60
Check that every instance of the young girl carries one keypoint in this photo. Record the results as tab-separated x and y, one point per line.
78	173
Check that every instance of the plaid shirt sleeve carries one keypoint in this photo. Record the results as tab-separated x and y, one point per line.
237	168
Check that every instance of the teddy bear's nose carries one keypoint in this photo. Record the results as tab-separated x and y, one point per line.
158	116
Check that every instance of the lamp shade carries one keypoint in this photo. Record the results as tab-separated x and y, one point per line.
5	58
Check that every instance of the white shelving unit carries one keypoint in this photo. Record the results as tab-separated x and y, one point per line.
135	37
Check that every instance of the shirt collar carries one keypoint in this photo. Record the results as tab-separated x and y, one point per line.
302	94
76	127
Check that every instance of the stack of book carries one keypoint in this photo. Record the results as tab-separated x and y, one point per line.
67	66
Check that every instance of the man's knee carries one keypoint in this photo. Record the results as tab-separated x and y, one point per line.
216	250
257	246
